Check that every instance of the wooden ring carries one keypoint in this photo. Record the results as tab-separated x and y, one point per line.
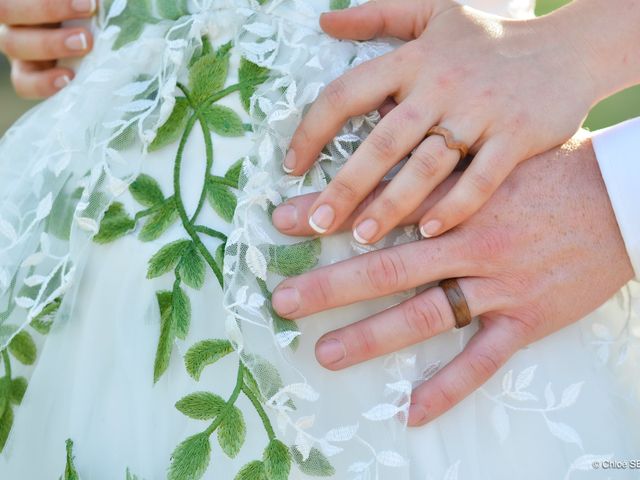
457	300
449	139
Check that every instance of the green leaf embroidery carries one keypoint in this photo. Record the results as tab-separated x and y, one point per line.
233	174
18	389
277	460
192	267
159	221
171	130
23	348
44	320
167	258
290	260
181	311
252	471
146	191
70	472
232	431
132	21
167	335
315	465
223	121
250	76
172	9
130	476
116	223
191	458
209	74
266	376
6	422
205	353
219	256
339	4
222	199
201	405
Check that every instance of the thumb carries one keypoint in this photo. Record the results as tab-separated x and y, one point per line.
404	19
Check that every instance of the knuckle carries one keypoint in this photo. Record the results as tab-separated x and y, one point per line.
482	183
487	360
320	285
4	11
344	190
364	341
389	207
492	243
7	42
446	396
422	317
51	9
385	272
336	93
425	164
383	142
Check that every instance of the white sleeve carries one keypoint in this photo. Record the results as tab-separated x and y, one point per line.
618	151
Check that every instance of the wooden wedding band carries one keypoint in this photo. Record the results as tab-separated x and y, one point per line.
449	139
457	300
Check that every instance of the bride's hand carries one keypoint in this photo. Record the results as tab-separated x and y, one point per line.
507	89
545	251
33	40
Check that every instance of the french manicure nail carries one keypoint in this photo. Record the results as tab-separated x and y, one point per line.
365	231
61	82
417	414
77	42
83	6
431	228
285	217
286	301
322	218
289	164
330	351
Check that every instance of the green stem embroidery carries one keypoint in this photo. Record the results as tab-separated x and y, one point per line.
232	400
260	410
7	363
211	232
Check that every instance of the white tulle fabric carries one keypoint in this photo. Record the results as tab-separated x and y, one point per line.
555	408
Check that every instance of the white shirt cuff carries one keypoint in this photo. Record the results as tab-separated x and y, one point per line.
618	151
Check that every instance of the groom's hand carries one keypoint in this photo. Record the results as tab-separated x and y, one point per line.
544	252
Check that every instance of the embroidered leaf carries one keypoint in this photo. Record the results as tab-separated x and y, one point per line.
181	311
115	224
252	471
70	472
223	121
339	4
266	376
219	256
159	221
315	465
277	460
172	9
173	128
222	199
290	260
250	76
191	458
132	21
146	191
18	389
232	431
44	320
233	174
6	422
23	348
206	49
208	75
131	476
167	258
205	353
201	405
192	267
167	334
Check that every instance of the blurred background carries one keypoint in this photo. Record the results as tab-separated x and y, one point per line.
615	109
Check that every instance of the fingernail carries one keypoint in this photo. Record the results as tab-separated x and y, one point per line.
286	301
431	228
83	6
417	414
322	218
77	42
61	82
330	351
289	164
364	232
285	217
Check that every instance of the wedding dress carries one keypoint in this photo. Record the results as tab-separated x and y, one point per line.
136	264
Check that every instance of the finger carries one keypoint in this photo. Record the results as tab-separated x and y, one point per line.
487	351
291	217
391	140
413	321
36	80
426	168
373	275
35	12
44	44
405	19
348	96
478	183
